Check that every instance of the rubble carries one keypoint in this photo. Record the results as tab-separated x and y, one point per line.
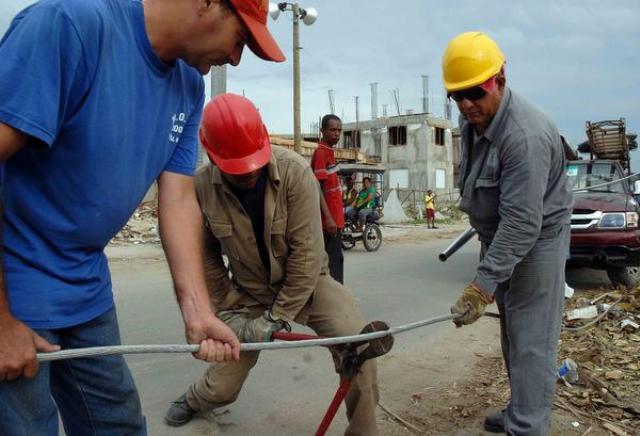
142	227
603	400
608	360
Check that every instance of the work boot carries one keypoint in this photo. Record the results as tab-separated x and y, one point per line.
179	413
494	423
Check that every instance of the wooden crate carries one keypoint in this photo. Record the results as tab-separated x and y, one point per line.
608	139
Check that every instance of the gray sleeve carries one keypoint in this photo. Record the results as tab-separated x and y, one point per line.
523	182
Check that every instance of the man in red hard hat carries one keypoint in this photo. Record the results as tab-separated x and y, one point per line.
261	208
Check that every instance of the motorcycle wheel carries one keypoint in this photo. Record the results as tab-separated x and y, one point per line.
347	244
372	237
346	240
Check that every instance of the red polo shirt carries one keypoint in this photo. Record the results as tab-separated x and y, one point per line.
325	168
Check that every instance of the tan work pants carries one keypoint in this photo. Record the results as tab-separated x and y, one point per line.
332	312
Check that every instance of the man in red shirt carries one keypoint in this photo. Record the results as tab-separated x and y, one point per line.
325	168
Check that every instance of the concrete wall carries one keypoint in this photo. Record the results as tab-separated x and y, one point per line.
420	156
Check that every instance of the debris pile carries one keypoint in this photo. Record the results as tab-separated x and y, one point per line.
606	349
142	227
603	338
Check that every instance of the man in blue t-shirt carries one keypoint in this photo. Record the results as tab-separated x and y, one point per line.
97	100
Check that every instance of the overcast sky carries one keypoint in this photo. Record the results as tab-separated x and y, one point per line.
576	60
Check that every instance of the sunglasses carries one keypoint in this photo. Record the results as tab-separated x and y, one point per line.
473	94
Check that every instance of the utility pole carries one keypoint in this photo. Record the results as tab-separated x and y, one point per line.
297	137
218	80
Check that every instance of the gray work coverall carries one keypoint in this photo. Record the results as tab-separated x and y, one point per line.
514	188
297	288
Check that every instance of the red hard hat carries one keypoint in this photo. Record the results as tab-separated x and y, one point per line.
233	134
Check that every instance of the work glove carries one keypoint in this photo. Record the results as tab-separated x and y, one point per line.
262	328
470	306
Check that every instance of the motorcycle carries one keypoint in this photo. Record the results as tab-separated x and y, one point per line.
370	234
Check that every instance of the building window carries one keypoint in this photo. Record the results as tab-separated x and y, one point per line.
351	139
440	179
439	136
399	178
398	135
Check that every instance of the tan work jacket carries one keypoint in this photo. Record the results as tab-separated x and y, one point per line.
292	233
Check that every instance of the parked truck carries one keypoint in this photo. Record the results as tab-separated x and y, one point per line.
604	225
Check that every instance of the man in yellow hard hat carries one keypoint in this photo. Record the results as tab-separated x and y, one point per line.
513	187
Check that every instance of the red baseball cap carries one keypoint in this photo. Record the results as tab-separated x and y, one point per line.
254	15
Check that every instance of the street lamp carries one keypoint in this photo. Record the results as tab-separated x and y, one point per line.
308	17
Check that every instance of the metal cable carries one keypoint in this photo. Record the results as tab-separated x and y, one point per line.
256	346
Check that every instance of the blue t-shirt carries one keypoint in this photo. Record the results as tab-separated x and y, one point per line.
106	117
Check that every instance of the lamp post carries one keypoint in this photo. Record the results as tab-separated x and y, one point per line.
308	17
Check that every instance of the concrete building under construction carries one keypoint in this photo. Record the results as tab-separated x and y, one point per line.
416	149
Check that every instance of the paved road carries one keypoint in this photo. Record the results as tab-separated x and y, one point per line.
287	392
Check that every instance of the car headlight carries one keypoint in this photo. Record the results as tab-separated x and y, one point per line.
613	220
632	219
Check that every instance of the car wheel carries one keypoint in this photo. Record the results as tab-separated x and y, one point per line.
372	237
626	276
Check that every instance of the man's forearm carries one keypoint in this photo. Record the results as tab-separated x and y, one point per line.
306	250
181	232
324	207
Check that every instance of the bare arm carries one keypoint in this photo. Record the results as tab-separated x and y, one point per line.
18	343
331	226
180	222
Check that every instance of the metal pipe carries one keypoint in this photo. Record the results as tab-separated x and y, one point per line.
457	244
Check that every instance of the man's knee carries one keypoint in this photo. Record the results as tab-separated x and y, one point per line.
222	382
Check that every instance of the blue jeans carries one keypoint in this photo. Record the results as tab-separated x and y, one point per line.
94	395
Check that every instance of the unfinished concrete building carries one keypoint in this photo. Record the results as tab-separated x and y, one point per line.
416	149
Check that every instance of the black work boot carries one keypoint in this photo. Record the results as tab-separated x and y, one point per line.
494	423
179	413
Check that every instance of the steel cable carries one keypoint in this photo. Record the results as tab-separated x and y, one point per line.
254	346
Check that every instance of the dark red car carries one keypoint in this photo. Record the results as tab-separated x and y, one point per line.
604	224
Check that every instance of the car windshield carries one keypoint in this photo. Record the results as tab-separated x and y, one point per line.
585	175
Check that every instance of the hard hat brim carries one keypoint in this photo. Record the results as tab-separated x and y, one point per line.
245	164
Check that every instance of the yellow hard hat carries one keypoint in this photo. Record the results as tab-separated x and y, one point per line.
471	58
